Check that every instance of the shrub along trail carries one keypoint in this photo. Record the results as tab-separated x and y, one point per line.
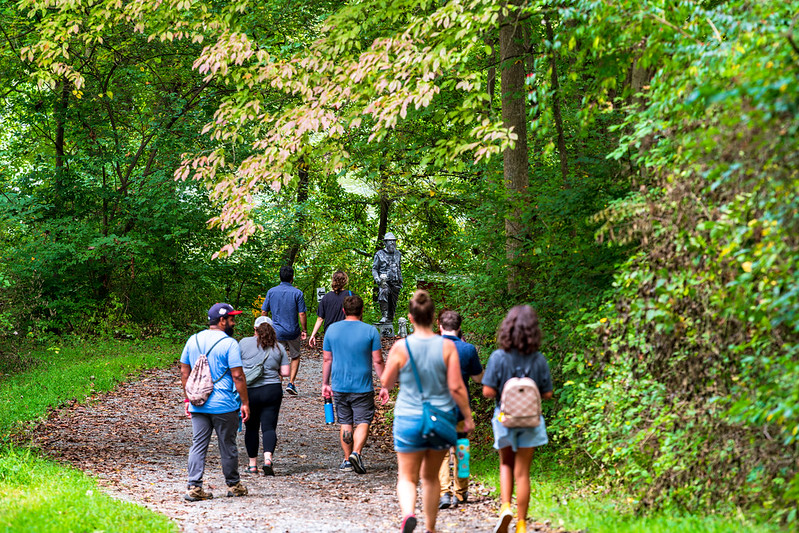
135	440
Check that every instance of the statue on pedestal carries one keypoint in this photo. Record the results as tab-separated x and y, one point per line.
402	327
387	274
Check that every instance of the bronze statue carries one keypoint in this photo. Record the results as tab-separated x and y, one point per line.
387	274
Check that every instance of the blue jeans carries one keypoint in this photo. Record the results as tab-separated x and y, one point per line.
517	437
408	436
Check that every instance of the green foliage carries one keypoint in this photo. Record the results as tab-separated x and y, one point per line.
683	386
40	495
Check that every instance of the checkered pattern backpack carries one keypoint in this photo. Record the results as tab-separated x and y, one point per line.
520	404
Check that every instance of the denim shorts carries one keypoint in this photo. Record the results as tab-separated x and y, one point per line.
408	436
517	437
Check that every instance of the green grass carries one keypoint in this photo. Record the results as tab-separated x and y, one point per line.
561	496
38	494
75	370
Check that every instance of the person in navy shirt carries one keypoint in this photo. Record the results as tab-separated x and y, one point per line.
289	318
449	326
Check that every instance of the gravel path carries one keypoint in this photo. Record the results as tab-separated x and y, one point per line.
135	441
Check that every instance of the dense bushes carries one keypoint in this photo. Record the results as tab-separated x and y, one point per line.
684	386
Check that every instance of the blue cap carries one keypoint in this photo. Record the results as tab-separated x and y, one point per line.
220	310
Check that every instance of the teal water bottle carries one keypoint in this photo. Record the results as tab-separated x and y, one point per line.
329	416
462	451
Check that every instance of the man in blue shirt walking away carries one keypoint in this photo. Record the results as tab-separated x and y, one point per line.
449	326
289	318
220	412
350	349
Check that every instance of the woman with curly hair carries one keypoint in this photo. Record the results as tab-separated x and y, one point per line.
331	306
266	393
519	338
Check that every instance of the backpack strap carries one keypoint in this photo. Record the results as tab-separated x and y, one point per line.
525	372
209	351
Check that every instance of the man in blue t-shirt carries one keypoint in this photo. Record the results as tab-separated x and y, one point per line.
350	349
449	325
287	305
220	412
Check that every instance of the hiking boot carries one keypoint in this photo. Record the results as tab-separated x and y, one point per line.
237	490
445	501
505	516
357	463
196	493
462	499
291	389
345	466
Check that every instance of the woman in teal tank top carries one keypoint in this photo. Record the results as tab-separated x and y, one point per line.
440	374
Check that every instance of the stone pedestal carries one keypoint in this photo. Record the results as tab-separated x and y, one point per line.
386	329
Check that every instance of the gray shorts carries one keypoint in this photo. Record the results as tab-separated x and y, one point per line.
353	408
292	347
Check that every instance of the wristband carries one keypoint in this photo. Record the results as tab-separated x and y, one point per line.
185	400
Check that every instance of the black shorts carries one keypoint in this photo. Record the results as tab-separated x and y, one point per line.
353	408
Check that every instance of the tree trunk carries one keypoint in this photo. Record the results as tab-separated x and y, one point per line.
299	220
514	115
553	60
385	208
62	101
638	78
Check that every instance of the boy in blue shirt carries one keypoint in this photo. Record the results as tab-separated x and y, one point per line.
449	326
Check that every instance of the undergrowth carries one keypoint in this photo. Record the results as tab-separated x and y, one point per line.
563	497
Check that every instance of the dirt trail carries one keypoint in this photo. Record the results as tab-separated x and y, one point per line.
135	440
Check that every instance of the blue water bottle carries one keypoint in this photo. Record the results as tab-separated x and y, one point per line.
462	451
329	416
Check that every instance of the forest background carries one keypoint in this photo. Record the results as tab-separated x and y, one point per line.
629	168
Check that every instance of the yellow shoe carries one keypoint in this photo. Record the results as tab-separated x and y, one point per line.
521	526
505	516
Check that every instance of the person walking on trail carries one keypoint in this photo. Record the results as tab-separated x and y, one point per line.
519	338
265	393
439	373
220	412
350	349
454	489
331	306
289	318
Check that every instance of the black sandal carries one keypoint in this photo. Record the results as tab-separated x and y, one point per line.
252	470
268	471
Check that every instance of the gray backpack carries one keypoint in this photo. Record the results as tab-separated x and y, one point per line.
200	384
254	374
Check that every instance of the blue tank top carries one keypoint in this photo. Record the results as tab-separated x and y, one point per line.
428	353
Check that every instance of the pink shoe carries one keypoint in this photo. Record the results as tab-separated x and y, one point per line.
408	524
